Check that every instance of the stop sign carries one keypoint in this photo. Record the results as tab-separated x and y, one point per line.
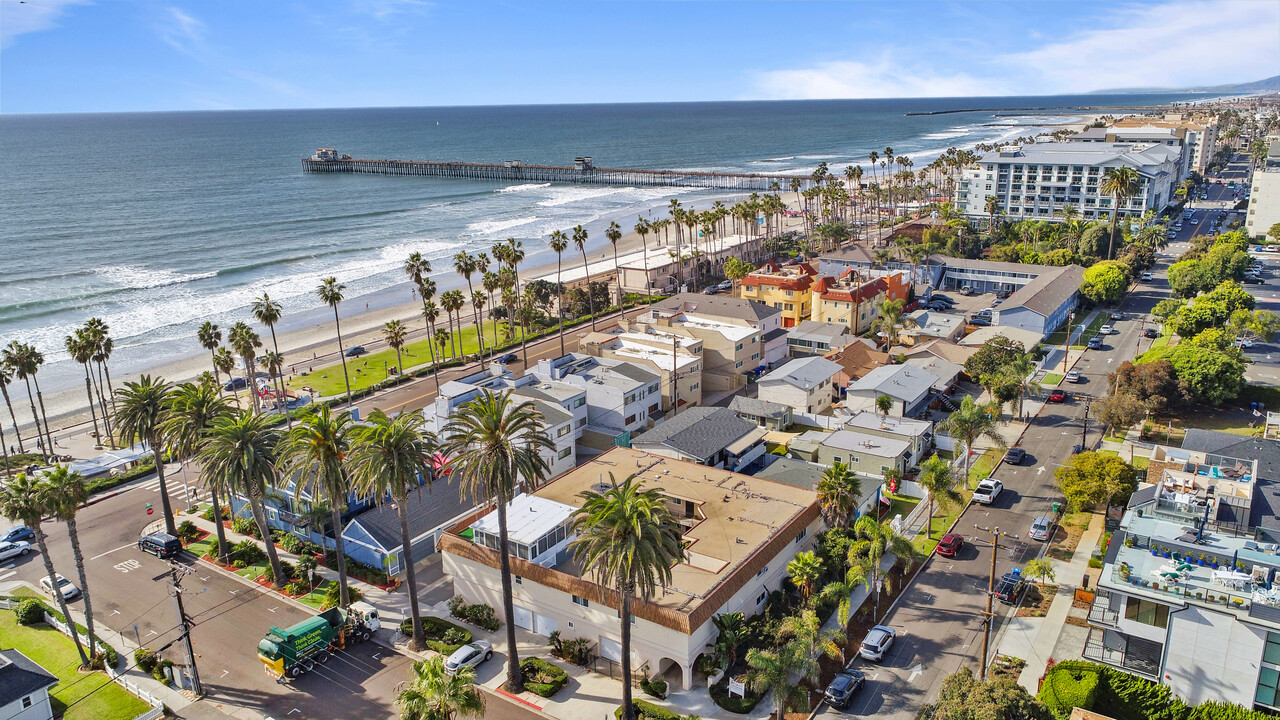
150	510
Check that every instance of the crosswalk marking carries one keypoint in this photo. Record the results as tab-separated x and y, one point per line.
9	574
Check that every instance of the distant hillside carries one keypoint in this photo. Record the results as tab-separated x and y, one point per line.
1271	84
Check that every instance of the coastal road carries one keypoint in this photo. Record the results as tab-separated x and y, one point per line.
940	617
230	616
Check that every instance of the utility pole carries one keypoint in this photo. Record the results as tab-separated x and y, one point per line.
675	376
1066	346
175	575
991	591
1084	429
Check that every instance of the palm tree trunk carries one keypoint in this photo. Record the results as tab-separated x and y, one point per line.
216	376
260	517
560	304
628	710
93	413
62	601
524	348
111	391
475	315
165	507
617	274
406	557
341	554
74	535
1115	216
223	550
108	418
4	388
284	400
35	418
249	384
591	301
515	678
342	354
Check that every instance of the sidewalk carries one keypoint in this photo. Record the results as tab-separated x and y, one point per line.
1034	639
1053	360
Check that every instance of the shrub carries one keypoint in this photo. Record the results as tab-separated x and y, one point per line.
740	705
479	614
29	612
145	660
158	672
455	604
577	651
248	552
187	530
239	564
656	687
649	711
287	540
1070	685
456	636
542	678
333	594
1095	563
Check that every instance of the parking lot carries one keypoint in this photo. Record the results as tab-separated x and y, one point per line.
968	304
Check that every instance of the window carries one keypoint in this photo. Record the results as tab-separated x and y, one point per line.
738	364
630	419
755	356
693	386
26	702
790	306
564	431
519	580
653	388
1268	678
754	339
764	595
579	402
629	399
582	422
738	347
1271	653
581	601
570	624
802	534
618	614
653	408
1147	612
563	453
763	570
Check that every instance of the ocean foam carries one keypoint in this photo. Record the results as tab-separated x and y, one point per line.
494	227
141	278
523	188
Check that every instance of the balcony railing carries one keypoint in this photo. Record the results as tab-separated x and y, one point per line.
1100	613
1133	654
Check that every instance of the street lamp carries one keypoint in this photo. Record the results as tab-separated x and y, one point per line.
1066	345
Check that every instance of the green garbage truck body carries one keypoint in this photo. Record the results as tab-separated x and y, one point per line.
291	651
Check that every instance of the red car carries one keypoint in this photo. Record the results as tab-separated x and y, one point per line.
949	545
1057	396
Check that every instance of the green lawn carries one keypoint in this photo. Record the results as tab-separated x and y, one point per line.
1140	462
76	696
926	542
902	505
1051	379
1077	519
1082	342
980	469
316	597
368	370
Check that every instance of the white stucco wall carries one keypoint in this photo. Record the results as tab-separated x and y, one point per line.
1212	656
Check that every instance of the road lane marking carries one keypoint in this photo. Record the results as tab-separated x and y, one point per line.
274	608
233	592
224	673
1040	470
152	632
916	672
115	612
375	655
127	565
11	573
95	557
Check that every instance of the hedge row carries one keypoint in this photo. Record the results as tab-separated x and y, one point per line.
442	636
542	678
649	711
1117	694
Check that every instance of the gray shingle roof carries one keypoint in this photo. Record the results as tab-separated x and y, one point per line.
818	330
717	306
900	382
804	373
796	473
435	506
757	407
20	676
1048	291
699	431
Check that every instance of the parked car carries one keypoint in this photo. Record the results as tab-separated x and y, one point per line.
355	351
1058	396
508	359
988	490
938	306
469	655
1011	587
1254	280
1041	528
1107	330
1117	315
69	591
1015	456
966	290
1003	294
996	302
711	290
843	687
21	532
1245	342
1147	277
14	549
943	298
236	383
980	321
1074	376
949	545
877	642
726	285
1150	333
1095	342
162	545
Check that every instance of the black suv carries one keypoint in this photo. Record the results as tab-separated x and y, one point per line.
843	687
1010	588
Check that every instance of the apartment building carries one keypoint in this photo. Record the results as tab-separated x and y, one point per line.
817	338
1198	132
1264	199
711	436
1036	181
785	289
740	532
866	454
676	359
563	408
622	397
1145	135
853	299
910	389
805	384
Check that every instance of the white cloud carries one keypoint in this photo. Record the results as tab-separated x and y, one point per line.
181	31
883	78
1172	44
18	18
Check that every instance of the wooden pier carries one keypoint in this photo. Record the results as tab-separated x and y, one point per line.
582	172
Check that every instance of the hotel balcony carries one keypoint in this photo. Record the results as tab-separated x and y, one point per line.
1124	651
1100	612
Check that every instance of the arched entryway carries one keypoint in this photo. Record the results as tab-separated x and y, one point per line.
678	677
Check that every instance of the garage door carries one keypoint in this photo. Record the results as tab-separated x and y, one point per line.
610	649
524	618
544	625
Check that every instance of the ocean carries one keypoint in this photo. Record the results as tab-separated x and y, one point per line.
160	221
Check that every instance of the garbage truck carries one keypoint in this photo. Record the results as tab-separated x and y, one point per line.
289	652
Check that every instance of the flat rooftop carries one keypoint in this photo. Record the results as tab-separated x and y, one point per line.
728	330
733	517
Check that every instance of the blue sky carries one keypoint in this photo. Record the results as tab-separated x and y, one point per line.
122	55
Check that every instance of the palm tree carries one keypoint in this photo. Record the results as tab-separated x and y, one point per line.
6	377
389	457
65	492
935	477
274	363
614	233
26	361
1121	183
26	500
314	451
513	256
432	313
495	445
268	311
580	242
245	342
730	634
418	268
805	570
466	265
443	340
889	317
192	410
807	635
839	492
559	243
491	282
643	228
140	416
396	335
772	671
225	362
884	404
970	422
452	302
330	292
628	540
210	338
874	541
80	348
98	329
239	455
434	694
1022	370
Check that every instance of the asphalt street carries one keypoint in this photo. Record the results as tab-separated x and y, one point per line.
939	619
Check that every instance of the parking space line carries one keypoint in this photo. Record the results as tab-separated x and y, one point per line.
9	574
95	557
